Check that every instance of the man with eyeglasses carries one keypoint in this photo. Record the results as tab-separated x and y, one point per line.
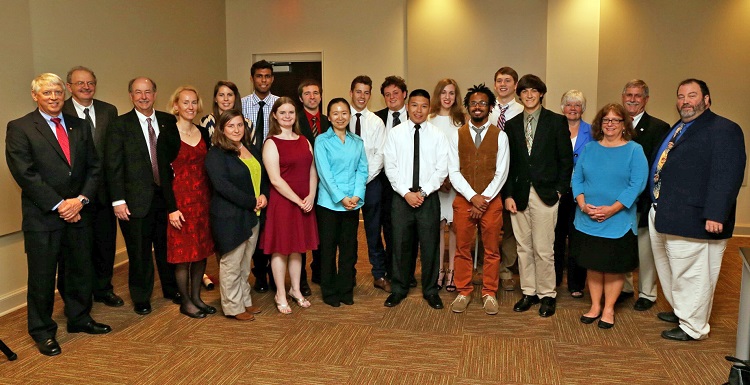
81	83
541	163
648	133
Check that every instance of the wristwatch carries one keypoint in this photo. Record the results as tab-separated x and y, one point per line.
422	193
83	199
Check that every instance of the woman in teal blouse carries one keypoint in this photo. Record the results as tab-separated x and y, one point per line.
607	179
342	174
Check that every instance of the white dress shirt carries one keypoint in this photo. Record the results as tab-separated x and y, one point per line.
81	114
514	108
373	134
401	116
250	108
399	157
144	129
501	165
637	119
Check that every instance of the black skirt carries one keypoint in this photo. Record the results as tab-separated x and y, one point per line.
605	254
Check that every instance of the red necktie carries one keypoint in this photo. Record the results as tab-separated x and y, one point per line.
315	126
62	138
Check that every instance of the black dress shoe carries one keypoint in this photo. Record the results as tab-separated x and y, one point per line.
526	302
304	288
624	296
49	347
348	302
142	308
605	325
668	316
331	302
208	309
110	299
260	286
676	334
197	314
394	299
413	282
643	304
90	328
589	320
548	306
434	301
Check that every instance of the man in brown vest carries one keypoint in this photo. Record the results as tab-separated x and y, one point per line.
478	166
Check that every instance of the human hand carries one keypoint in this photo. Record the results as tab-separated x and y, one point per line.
121	212
175	219
510	205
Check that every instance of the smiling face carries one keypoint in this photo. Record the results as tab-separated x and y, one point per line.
612	126
479	108
286	115
310	98
634	99
82	86
360	96
234	130
186	105
394	97
339	115
531	99
49	98
225	98
690	101
419	108
572	109
142	95
262	81
447	97
505	87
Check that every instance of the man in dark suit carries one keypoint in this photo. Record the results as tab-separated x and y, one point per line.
133	180
694	183
51	156
541	163
81	83
649	132
312	122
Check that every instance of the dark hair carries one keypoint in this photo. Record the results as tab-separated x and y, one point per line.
700	83
480	89
458	118
273	127
220	140
337	100
260	65
618	109
79	68
364	79
420	92
309	82
531	81
393	81
130	83
507	71
231	86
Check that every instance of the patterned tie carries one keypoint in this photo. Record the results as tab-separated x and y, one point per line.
89	120
501	118
478	136
415	174
315	125
663	159
152	151
358	125
529	135
62	138
260	124
396	120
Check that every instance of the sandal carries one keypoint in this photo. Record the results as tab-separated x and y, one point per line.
302	302
441	279
449	286
283	308
576	294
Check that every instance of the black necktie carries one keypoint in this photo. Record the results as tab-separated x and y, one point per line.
396	120
260	131
358	125
415	175
88	119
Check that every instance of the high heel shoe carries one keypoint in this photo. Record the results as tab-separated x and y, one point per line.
441	279
197	314
449	285
589	320
302	302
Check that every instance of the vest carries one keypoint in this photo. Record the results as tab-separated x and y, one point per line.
478	164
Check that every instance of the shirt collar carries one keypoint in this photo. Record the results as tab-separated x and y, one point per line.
142	118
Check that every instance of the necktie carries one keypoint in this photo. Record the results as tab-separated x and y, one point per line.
415	174
396	120
501	118
89	120
663	159
478	136
529	135
152	151
358	125
62	138
260	125
315	125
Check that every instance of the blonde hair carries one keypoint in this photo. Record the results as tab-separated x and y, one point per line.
176	97
46	79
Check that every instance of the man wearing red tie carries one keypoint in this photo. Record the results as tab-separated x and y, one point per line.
52	158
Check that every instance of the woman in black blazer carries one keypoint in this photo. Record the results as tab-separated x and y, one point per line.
240	187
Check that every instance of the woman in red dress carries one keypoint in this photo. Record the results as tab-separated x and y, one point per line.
291	228
181	151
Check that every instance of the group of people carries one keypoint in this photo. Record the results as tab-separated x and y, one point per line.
260	182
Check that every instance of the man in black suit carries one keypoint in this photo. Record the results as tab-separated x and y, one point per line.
81	83
649	132
312	123
541	163
51	156
693	183
134	187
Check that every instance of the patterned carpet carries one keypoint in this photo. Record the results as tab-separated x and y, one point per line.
370	344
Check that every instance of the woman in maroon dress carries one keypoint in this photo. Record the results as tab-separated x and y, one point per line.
181	151
290	223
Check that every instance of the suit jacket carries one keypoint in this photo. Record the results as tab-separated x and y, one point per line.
648	133
38	165
105	114
701	178
167	148
128	162
233	200
550	164
304	126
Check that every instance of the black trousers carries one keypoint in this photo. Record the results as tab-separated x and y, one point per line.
337	230
565	215
141	234
104	247
413	225
70	249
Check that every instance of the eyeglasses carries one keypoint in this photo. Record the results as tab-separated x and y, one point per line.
80	84
481	103
615	121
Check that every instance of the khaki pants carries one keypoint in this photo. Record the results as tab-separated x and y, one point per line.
234	269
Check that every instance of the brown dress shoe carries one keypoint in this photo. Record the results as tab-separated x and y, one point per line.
253	309
244	317
383	284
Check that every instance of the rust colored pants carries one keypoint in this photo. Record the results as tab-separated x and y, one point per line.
490	224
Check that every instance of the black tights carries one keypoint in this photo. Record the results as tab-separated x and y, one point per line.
189	277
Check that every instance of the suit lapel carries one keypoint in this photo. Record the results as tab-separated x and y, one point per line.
540	131
72	136
44	129
137	133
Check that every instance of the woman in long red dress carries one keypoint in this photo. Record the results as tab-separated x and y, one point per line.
181	151
290	220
